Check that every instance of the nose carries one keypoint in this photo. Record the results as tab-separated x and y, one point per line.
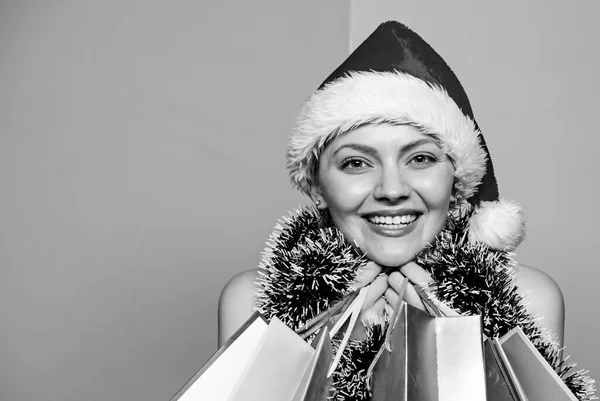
391	186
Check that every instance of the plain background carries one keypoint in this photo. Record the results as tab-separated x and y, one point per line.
142	165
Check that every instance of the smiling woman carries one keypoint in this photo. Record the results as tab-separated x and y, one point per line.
390	152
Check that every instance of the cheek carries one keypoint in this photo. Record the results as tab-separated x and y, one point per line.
344	194
436	190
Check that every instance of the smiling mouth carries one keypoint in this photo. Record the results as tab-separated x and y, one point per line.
392	222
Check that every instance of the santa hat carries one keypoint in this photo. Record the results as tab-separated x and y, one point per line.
394	76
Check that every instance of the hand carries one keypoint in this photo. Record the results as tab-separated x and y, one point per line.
373	307
416	275
371	274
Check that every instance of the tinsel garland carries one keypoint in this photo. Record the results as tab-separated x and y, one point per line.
308	266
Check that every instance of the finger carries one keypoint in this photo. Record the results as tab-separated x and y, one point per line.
411	296
366	275
389	309
416	274
395	280
391	296
376	290
374	313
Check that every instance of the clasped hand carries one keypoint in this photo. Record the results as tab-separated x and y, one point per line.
384	288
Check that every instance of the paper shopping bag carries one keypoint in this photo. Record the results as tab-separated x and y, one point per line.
537	378
429	358
278	371
501	382
277	367
260	357
269	361
315	384
218	377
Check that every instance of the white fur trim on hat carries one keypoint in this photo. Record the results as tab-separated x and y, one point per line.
499	224
377	97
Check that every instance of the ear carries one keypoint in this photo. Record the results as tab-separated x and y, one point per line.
317	196
455	194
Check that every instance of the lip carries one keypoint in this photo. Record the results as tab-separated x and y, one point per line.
392	212
393	232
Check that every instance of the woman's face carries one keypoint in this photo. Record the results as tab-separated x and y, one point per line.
388	189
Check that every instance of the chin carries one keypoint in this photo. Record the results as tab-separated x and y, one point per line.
394	252
391	259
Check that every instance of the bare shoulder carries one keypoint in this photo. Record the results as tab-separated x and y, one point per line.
538	282
236	303
542	297
241	284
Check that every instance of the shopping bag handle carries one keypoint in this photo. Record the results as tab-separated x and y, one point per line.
314	324
387	345
433	305
352	313
352	305
395	313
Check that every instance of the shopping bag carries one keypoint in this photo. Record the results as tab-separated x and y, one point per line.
428	358
262	358
501	381
277	367
536	377
315	384
217	377
318	377
269	361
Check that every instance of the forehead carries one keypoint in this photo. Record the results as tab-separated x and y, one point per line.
380	136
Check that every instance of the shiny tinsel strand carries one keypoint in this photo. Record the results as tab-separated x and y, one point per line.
350	378
304	268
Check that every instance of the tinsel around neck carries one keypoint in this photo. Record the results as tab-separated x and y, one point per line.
308	265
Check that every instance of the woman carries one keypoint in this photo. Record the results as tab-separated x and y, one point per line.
388	148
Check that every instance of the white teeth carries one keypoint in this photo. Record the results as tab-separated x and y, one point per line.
395	220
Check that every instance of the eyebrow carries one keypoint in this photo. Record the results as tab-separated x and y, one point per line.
373	152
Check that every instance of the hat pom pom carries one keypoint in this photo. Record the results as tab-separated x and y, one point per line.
499	224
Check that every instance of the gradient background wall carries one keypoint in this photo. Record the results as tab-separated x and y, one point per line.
141	165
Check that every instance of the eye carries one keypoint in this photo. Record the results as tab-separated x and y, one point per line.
423	160
354	165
